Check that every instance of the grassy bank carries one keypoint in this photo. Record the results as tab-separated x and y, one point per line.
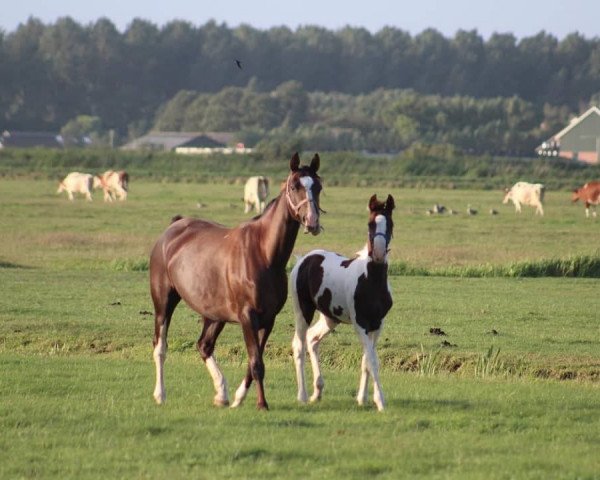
418	167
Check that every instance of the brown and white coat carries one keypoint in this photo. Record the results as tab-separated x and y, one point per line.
352	291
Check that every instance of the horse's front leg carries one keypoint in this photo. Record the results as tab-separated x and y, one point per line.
314	335
256	339
369	365
363	385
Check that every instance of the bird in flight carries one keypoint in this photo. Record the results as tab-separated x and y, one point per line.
238	63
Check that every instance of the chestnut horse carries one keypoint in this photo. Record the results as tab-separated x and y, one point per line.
353	291
232	275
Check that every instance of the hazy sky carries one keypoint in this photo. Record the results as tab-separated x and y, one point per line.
521	17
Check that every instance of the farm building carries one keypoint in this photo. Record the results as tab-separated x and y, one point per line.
580	140
187	142
14	139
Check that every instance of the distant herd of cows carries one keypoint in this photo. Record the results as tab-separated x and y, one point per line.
114	185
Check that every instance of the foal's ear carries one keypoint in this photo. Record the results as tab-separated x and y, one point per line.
295	162
389	203
373	203
315	163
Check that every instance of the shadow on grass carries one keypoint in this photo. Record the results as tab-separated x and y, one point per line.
4	264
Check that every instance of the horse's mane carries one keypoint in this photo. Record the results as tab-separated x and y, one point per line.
269	206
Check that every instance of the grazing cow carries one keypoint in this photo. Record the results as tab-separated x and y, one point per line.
256	192
352	291
590	194
525	193
76	182
114	184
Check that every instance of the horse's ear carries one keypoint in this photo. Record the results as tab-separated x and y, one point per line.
295	162
373	202
315	163
389	203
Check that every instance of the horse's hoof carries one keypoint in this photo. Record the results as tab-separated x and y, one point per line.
160	399
220	402
263	406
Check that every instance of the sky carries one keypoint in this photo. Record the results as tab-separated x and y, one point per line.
523	18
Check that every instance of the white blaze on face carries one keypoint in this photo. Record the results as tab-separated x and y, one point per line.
379	241
312	216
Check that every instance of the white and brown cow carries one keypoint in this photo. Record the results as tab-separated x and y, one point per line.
76	182
524	193
353	291
114	184
256	192
590	194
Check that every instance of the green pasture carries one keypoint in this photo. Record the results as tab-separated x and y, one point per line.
511	390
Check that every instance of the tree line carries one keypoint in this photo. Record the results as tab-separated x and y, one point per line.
381	121
52	73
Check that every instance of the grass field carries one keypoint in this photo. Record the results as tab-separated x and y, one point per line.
77	376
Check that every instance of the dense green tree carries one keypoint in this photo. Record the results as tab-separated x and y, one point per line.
346	80
84	130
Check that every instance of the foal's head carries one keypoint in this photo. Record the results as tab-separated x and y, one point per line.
381	227
302	190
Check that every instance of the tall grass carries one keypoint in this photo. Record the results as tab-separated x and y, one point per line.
576	266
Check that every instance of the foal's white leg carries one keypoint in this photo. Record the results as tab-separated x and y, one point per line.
363	384
299	340
315	334
221	399
299	349
372	364
160	355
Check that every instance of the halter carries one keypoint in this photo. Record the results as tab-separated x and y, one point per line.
296	207
387	237
380	234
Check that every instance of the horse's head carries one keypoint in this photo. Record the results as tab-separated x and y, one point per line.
381	227
302	190
575	195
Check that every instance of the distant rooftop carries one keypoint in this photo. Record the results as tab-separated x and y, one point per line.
171	140
17	139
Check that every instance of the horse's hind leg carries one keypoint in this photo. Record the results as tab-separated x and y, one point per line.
299	343
164	305
206	347
315	334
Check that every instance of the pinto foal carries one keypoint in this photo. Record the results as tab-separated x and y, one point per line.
353	291
232	275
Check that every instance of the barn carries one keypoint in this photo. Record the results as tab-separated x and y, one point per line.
188	142
580	140
16	139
